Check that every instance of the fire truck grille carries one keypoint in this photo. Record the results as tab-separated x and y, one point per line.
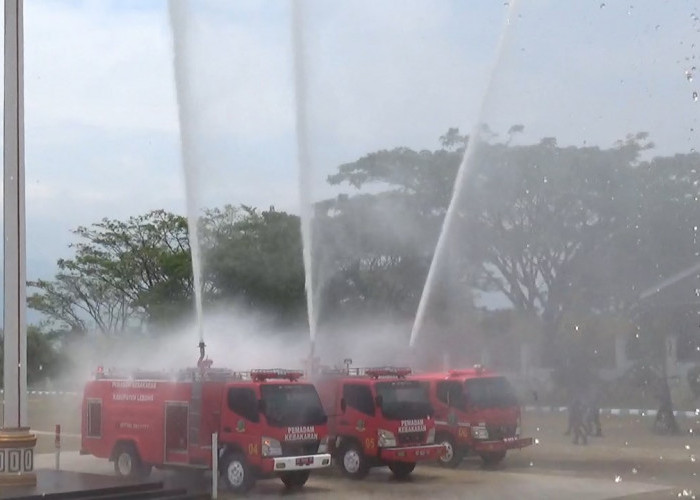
295	449
411	438
500	431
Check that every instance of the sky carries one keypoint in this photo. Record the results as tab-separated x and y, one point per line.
101	111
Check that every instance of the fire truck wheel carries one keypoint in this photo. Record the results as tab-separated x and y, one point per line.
236	473
353	462
127	462
402	470
295	479
493	458
453	455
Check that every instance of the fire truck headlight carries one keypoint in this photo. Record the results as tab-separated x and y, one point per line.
480	433
385	439
431	436
271	447
323	445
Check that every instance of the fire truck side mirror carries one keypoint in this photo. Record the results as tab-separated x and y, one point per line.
343	405
261	406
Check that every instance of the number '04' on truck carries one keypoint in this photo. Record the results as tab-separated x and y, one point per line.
270	423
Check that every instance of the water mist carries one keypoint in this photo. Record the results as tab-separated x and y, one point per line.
185	108
458	189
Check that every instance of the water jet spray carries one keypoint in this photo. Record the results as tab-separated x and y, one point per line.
186	111
304	164
458	188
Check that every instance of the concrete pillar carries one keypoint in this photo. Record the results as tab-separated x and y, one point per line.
621	361
672	367
16	442
525	357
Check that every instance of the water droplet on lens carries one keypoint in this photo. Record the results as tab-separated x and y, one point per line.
531	464
687	446
537	441
602	5
689	76
634	470
618	479
695	96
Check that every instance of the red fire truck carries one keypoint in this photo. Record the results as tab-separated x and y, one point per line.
377	417
476	411
268	421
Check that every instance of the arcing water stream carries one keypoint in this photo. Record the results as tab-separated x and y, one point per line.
440	250
185	107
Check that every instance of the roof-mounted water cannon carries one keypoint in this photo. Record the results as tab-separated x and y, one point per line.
202	352
261	375
388	371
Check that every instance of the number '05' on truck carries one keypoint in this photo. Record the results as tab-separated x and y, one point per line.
377	417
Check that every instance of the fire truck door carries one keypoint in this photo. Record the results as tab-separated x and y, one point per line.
176	449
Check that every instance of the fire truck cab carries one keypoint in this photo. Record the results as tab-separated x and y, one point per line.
268	423
377	418
476	411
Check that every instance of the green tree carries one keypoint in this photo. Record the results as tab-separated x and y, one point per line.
125	274
43	356
255	257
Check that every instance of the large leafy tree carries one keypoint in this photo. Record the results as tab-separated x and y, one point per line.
124	274
255	257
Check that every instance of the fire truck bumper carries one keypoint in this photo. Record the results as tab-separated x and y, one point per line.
305	462
502	444
412	453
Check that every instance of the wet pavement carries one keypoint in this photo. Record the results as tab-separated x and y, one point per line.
470	480
63	483
628	462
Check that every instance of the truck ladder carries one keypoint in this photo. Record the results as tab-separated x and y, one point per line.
195	412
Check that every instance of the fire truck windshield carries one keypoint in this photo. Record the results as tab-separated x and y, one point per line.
403	399
490	392
292	404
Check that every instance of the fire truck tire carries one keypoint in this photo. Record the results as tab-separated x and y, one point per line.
296	479
352	461
127	462
402	470
453	454
494	458
236	473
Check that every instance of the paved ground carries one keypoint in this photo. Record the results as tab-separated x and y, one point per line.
628	462
428	481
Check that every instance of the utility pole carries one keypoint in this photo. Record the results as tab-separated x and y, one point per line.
16	442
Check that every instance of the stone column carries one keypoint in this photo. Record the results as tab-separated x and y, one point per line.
16	442
621	362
